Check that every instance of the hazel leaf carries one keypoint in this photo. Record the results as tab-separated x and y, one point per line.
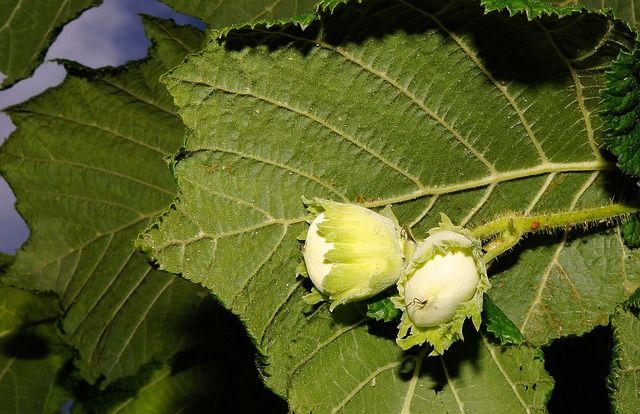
431	106
86	164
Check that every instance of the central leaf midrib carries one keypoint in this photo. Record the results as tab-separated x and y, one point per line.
584	166
589	166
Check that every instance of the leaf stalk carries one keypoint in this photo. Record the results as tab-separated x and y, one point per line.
505	232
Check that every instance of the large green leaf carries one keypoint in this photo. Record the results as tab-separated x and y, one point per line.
86	165
625	373
431	106
27	27
227	12
31	356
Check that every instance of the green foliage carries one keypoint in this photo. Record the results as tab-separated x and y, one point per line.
429	106
499	324
620	100
27	27
631	232
31	355
86	164
216	372
634	300
383	310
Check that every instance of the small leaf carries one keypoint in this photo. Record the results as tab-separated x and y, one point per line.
631	232
499	324
383	310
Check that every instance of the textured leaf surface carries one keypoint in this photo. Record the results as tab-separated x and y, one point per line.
218	14
27	27
30	356
625	374
431	106
86	164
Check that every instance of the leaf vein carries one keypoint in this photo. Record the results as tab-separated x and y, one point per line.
98	236
337	334
117	309
260	265
323	123
578	91
450	382
102	170
81	198
511	175
232	198
479	204
98	127
280	307
285	167
505	375
139	97
554	260
99	260
405	91
363	383
502	88
141	319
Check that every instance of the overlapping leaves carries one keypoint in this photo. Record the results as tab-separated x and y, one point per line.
86	165
431	106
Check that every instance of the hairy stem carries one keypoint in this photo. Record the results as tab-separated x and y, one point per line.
508	230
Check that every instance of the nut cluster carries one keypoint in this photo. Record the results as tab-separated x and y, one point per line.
352	253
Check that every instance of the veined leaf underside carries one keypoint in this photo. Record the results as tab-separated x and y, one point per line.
429	106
